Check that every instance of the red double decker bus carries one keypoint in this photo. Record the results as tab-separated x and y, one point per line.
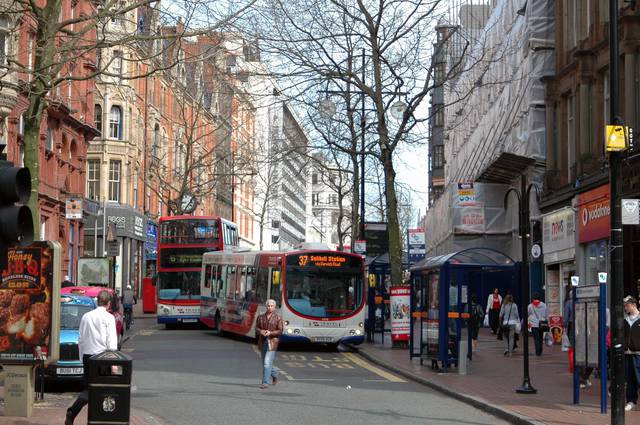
182	240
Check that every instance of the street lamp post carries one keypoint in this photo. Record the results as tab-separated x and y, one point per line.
523	212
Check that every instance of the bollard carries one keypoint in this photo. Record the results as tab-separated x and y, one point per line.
462	357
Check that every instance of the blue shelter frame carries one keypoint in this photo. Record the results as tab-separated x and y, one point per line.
441	292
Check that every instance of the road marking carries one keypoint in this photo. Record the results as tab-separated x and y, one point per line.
128	350
366	365
146	332
280	371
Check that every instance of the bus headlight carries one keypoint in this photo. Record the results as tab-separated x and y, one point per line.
352	332
360	324
286	323
289	331
296	331
358	332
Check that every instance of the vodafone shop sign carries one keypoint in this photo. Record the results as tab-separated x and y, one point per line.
594	214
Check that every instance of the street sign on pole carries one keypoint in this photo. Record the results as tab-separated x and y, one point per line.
630	211
360	246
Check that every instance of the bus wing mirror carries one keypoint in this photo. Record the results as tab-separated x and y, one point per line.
276	277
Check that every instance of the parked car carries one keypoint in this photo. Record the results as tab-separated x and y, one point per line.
69	366
115	309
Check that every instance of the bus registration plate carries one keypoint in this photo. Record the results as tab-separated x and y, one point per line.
189	320
322	339
323	324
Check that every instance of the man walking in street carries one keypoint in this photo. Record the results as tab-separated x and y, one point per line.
97	335
269	328
631	348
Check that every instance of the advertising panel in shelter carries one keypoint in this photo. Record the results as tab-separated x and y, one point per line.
29	304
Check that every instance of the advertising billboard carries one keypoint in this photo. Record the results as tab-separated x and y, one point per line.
30	304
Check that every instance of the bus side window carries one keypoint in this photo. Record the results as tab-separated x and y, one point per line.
208	274
250	289
262	284
222	287
276	286
242	283
232	284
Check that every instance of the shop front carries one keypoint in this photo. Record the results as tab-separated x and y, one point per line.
558	242
593	234
128	249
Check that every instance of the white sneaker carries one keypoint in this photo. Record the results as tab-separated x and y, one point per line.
585	384
630	406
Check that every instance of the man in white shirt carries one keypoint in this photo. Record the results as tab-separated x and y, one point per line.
97	335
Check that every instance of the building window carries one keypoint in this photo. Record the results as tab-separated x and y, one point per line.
315	199
116	64
333	199
93	179
115	123
48	144
97	112
114	180
4	39
438	156
314	178
571	137
438	119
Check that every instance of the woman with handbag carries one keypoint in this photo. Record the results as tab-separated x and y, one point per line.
509	318
538	321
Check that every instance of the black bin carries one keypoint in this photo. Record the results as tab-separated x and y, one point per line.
109	385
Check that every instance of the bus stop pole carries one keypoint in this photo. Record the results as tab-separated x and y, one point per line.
602	346
526	387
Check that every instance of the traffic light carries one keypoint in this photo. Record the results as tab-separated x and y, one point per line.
16	223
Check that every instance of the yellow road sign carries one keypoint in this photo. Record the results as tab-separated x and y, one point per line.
617	138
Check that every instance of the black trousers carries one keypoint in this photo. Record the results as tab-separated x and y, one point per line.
537	340
494	320
83	397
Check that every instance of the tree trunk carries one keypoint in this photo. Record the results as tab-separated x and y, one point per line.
355	205
32	120
393	225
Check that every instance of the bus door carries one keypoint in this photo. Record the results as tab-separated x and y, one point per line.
275	285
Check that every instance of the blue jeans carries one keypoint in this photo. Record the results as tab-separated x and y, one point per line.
267	363
633	377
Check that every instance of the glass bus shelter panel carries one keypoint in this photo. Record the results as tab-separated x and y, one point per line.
431	323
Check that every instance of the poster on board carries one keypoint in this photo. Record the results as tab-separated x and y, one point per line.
30	304
400	312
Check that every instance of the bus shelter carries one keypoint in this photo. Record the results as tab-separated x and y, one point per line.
379	271
441	292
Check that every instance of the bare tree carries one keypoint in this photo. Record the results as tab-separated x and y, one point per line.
62	43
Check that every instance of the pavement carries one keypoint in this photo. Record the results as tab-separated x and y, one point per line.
52	409
492	378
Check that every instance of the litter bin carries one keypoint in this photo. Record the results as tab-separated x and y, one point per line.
109	385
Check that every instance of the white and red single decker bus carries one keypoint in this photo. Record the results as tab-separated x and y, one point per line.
319	293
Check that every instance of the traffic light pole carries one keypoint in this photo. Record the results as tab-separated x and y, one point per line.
16	221
617	271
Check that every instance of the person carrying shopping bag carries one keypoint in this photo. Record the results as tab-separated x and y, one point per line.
538	321
509	318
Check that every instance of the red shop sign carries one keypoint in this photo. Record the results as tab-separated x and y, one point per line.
594	220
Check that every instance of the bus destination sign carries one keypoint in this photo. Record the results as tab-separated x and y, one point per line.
181	257
324	260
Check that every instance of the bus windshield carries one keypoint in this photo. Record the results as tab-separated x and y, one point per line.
323	292
178	285
189	231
